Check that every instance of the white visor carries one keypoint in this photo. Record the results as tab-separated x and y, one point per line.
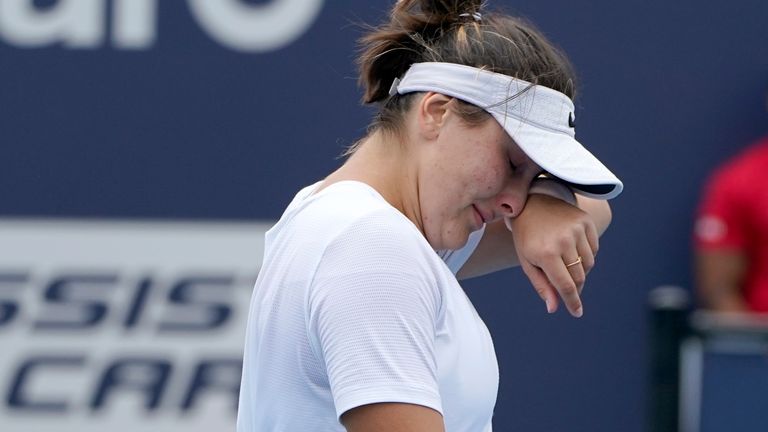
539	119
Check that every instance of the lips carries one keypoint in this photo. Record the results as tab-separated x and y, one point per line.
479	215
487	217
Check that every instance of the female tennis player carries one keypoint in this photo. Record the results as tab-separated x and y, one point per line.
358	321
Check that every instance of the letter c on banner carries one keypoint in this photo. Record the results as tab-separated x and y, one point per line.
256	28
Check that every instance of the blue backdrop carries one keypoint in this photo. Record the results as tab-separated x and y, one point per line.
182	122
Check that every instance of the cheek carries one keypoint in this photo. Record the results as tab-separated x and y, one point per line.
491	169
489	178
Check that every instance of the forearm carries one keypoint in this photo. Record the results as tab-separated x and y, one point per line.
497	251
719	278
723	299
598	210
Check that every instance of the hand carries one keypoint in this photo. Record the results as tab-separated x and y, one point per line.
549	235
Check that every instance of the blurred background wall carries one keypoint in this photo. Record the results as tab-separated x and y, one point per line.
124	119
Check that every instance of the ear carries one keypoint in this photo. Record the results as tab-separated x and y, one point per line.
432	113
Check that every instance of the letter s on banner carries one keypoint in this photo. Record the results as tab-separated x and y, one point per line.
256	28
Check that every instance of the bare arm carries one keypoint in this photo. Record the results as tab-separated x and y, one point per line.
598	210
719	279
496	250
392	417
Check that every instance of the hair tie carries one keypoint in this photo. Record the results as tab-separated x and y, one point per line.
475	15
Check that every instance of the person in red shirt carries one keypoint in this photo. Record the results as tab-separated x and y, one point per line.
731	235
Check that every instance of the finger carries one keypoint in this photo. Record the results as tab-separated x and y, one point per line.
587	260
593	238
541	284
585	252
576	268
561	279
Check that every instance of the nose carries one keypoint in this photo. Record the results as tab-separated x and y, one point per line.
511	200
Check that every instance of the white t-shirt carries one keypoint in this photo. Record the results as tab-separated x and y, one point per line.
352	307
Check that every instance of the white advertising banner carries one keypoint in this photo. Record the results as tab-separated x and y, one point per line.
123	326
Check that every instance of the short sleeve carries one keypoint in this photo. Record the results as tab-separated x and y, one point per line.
720	220
372	313
455	259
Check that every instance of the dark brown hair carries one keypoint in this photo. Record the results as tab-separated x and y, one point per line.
453	31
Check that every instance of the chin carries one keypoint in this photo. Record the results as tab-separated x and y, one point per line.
453	242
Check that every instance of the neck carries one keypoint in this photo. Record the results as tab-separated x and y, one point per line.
385	163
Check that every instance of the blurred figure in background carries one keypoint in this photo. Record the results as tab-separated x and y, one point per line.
731	234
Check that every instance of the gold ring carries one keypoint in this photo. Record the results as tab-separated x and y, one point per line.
578	261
